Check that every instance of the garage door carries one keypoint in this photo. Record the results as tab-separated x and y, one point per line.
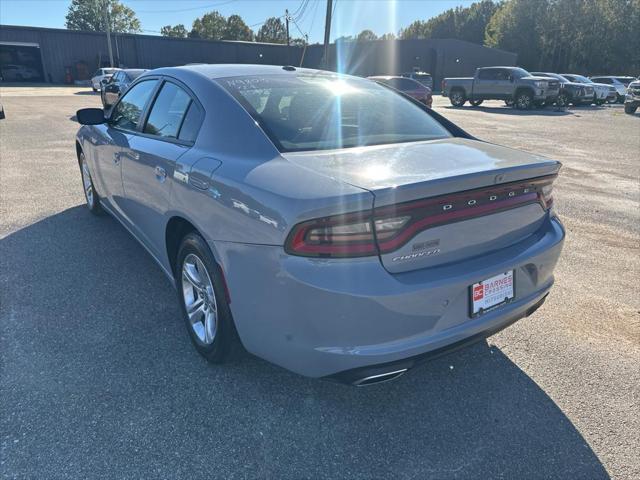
20	62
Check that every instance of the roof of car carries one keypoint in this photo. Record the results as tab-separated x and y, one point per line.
236	70
385	77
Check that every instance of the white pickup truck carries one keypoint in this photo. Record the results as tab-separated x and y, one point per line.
514	85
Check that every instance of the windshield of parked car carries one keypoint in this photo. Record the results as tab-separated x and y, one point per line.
519	73
625	80
321	112
580	79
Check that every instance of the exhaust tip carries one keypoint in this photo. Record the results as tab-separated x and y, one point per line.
380	378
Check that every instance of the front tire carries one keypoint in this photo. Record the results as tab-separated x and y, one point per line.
90	195
630	109
563	100
203	299
475	103
457	98
524	101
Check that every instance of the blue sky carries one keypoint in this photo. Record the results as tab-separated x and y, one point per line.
350	17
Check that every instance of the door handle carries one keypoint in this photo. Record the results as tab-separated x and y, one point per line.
116	158
161	174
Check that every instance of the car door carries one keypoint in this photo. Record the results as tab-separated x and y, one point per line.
149	160
115	134
485	84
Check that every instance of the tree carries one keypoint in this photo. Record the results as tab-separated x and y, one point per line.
89	15
272	31
210	26
177	31
236	29
417	29
388	36
517	26
366	36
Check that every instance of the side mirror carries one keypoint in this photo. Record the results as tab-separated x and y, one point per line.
90	116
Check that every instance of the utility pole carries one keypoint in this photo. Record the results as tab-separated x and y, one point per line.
327	34
105	9
286	22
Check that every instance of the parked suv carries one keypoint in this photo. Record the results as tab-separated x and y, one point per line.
511	84
424	78
570	92
619	83
632	99
602	91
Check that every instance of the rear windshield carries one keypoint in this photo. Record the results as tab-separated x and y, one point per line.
322	112
625	80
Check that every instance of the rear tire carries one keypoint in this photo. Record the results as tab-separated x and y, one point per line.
476	103
523	101
457	98
628	108
563	100
90	195
203	299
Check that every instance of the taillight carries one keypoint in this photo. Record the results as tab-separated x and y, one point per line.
388	228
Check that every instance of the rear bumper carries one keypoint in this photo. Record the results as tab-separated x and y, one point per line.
324	317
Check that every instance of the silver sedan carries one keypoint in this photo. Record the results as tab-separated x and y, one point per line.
327	223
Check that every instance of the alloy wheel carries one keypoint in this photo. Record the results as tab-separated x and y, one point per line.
199	299
87	183
523	102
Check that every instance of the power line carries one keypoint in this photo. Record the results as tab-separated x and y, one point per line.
219	4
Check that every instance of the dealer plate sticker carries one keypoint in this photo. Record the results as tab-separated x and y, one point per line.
492	292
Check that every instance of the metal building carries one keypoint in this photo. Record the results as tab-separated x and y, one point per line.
56	55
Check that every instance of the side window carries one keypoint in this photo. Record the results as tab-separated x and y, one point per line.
502	74
127	112
602	80
191	123
406	84
487	74
167	112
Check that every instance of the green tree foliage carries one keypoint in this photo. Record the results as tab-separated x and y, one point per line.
518	24
585	36
176	31
388	36
464	23
210	26
417	29
272	31
236	29
89	15
366	36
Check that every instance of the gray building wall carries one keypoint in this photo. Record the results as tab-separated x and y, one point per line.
440	57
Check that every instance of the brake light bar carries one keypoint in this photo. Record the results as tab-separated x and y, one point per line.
386	229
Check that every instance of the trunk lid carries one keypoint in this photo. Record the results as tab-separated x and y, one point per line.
431	171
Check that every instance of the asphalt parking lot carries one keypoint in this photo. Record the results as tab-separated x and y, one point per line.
99	380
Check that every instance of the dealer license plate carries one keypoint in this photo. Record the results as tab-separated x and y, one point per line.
491	293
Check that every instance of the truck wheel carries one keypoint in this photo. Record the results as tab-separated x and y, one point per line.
563	100
523	101
630	109
457	98
475	103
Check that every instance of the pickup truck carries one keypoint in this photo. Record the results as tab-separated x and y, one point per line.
514	85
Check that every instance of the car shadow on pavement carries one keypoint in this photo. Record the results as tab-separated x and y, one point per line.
504	110
99	379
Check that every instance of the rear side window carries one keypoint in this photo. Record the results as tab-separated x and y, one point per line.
168	111
126	114
602	80
191	123
487	74
402	84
